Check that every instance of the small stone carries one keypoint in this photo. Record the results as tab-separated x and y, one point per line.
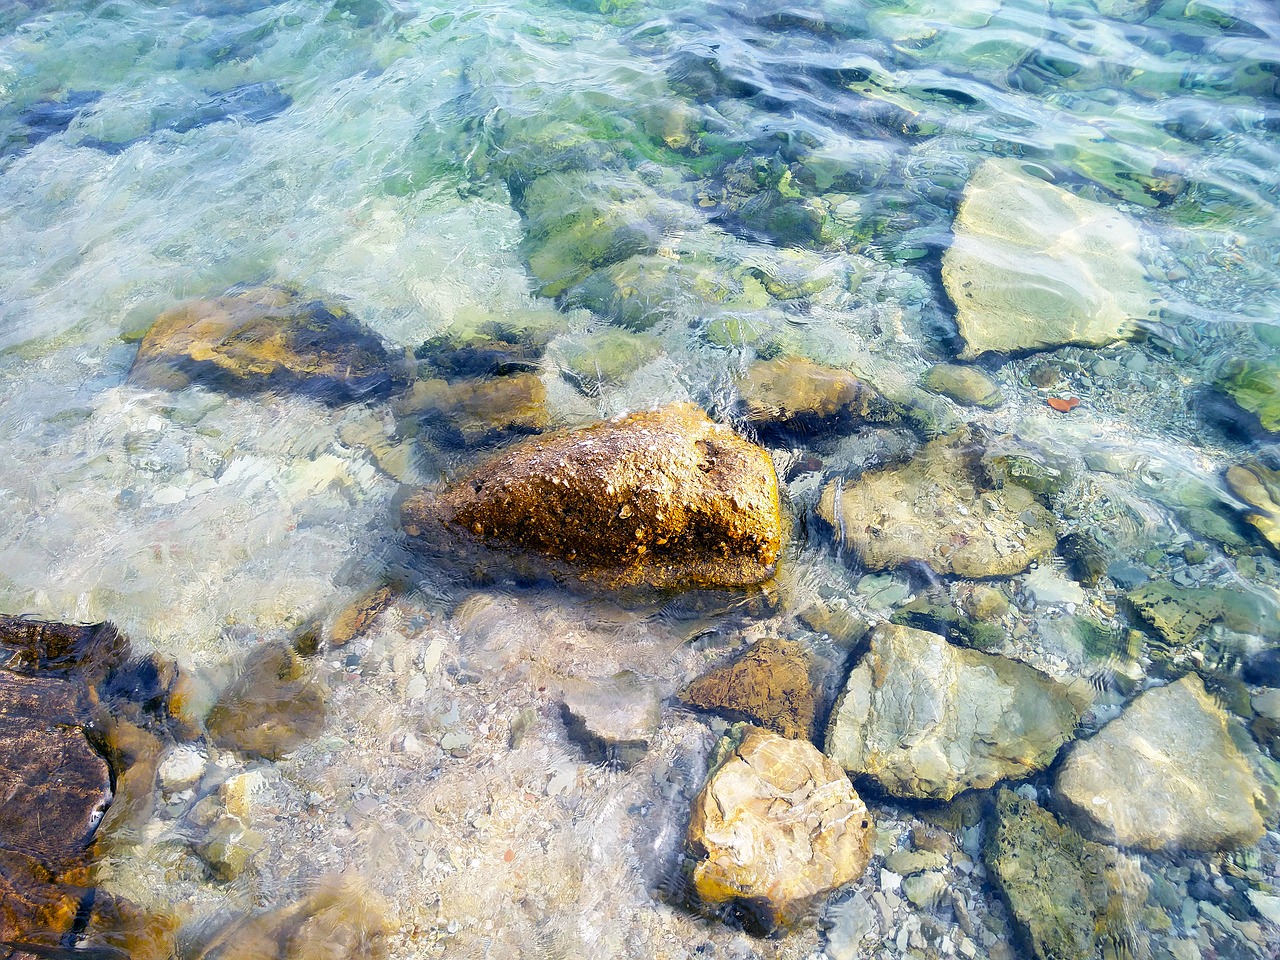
776	825
795	394
243	793
181	768
925	889
982	602
848	924
907	862
1050	588
1267	905
354	619
768	685
273	707
963	384
228	847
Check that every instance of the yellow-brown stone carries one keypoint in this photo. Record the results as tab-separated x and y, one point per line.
793	392
777	825
768	685
663	498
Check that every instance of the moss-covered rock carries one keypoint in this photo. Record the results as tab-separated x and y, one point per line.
643	291
664	498
607	358
1254	385
266	339
490	347
941	509
768	685
1180	614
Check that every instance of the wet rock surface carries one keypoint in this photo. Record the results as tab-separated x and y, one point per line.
1032	266
964	384
776	825
1057	884
940	508
1166	774
925	719
769	686
665	499
265	339
792	393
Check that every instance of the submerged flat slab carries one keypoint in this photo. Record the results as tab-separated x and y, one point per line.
1032	266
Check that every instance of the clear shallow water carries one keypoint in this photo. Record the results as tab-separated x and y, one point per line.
390	156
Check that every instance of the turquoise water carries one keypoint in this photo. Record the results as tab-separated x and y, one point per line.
665	193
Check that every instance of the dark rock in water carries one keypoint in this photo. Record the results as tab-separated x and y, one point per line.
1085	558
936	613
339	920
272	708
248	103
46	118
1127	575
792	394
769	685
614	722
266	339
664	499
1263	668
472	413
60	773
492	350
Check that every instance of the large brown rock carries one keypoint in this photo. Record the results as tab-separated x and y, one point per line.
58	766
768	685
265	339
664	498
940	509
777	825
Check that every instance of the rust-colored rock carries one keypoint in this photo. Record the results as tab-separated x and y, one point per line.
265	339
776	826
795	393
664	498
768	685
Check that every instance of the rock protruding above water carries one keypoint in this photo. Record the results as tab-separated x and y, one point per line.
57	784
940	509
792	393
1057	884
265	339
769	685
273	707
926	719
1164	774
1033	266
664	498
776	825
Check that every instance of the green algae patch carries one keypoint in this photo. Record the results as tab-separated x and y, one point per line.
664	498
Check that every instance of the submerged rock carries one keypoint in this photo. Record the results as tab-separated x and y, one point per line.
1254	385
1179	614
1259	486
1059	886
1033	266
473	412
1165	774
357	617
613	722
265	339
792	393
273	707
664	498
776	826
925	719
963	384
940	509
769	685
66	768
338	920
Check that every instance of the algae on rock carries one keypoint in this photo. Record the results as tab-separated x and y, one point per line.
1033	266
927	719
